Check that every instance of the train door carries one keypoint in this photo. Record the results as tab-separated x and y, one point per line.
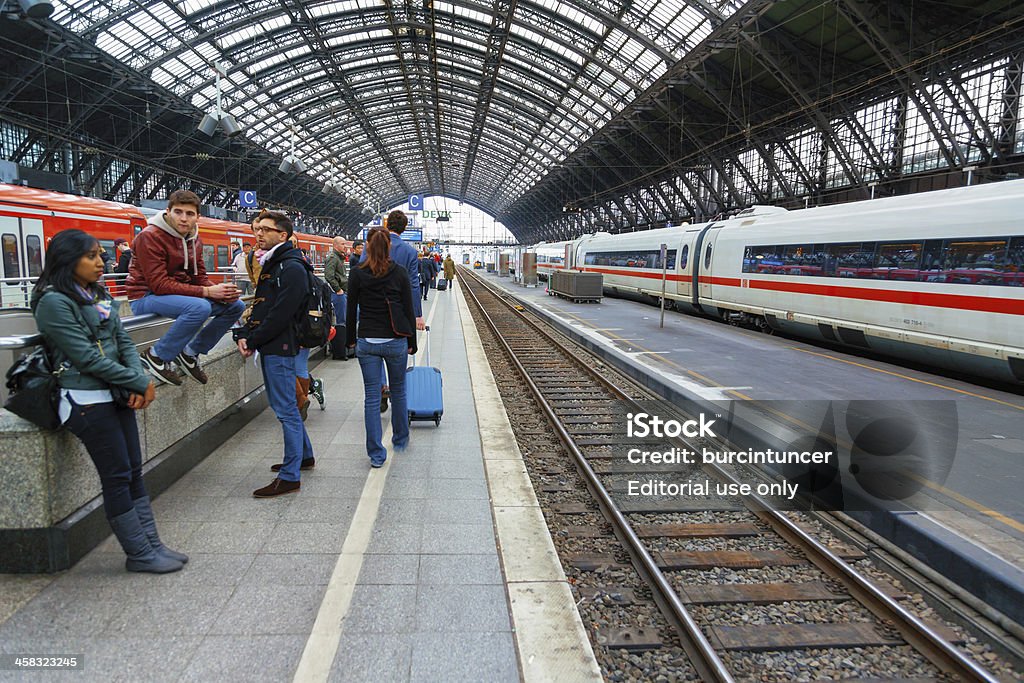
21	240
706	263
684	285
701	258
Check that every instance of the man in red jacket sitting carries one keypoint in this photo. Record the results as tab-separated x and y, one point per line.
168	277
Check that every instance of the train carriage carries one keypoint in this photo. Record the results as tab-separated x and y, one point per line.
29	218
936	277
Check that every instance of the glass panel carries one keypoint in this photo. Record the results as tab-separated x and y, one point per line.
12	268
208	257
34	252
630	259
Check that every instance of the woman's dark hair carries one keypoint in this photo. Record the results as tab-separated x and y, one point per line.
378	252
62	256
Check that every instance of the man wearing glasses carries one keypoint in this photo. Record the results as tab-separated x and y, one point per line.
280	292
168	277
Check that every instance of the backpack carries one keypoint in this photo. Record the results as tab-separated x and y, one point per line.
316	316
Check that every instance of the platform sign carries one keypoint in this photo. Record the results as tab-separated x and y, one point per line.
247	199
415	202
411	235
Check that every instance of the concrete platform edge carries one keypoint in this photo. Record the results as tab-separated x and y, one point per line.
551	642
935	545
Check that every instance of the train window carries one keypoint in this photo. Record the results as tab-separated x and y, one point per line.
12	267
707	257
1015	256
34	255
223	258
684	257
978	262
985	261
898	261
629	259
208	252
931	262
108	247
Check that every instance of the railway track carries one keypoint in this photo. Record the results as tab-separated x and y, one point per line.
734	578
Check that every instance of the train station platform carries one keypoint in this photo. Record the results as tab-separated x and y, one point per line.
971	525
437	567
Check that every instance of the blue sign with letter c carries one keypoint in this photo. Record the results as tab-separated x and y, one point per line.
415	202
247	199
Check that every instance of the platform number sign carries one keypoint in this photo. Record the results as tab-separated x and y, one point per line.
415	202
247	199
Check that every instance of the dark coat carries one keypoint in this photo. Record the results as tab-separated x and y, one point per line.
124	261
384	304
280	293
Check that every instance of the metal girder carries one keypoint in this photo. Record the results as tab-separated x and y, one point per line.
311	35
497	36
865	19
786	61
1006	138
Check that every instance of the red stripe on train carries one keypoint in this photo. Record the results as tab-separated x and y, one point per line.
964	302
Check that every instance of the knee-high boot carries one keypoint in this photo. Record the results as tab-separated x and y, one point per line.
148	522
141	556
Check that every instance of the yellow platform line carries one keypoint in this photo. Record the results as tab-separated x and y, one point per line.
910	379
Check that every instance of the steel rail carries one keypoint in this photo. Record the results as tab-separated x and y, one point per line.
922	637
702	655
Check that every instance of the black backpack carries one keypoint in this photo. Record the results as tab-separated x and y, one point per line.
316	316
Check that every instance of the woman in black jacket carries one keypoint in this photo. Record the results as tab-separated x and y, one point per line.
379	288
102	385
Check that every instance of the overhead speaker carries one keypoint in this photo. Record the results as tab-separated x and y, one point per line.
36	9
208	125
230	126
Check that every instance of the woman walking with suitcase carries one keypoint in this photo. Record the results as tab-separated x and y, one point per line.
379	288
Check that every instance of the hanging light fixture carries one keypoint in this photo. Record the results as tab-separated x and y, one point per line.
218	117
292	163
36	9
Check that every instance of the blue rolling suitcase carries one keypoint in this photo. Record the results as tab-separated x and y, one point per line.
423	390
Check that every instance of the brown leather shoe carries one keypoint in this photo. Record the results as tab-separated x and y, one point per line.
278	487
306	464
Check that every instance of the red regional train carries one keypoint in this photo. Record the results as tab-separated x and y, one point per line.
29	218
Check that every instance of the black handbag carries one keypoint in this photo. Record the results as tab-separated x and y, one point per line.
34	389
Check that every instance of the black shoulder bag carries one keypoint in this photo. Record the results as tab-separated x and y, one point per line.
35	389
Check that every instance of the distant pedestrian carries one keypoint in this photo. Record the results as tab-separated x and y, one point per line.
242	270
124	255
449	271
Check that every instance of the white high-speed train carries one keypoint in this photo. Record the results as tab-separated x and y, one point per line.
936	277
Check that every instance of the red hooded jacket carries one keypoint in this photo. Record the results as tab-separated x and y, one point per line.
166	263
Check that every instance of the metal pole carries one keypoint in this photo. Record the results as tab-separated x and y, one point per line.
664	276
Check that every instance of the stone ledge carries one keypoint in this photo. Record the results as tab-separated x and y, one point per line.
51	511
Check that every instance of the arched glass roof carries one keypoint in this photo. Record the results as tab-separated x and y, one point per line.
469	99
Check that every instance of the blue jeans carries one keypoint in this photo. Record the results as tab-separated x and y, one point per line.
111	437
302	363
190	313
340	303
279	380
372	358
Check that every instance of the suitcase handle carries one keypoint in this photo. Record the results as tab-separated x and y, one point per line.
426	329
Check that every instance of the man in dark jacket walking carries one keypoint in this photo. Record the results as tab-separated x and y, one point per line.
280	293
